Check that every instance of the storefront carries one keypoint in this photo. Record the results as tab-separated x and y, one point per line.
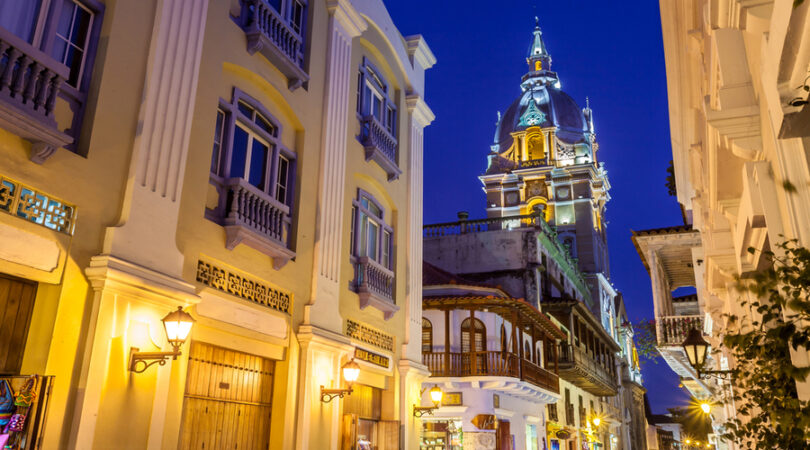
363	428
559	437
443	434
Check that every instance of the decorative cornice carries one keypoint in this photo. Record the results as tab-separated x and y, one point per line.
419	52
419	110
348	17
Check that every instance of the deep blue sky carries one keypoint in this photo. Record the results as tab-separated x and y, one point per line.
613	55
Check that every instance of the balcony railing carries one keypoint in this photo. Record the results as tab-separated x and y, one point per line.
381	146
375	286
482	225
577	366
30	82
491	363
672	330
269	34
252	217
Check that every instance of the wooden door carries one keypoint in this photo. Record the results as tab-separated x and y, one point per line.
388	435
503	436
228	399
16	305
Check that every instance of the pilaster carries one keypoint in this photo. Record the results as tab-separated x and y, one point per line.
411	376
420	116
146	233
345	23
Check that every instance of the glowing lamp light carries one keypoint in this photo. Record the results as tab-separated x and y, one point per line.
705	407
596	421
178	326
436	395
695	348
351	370
688	441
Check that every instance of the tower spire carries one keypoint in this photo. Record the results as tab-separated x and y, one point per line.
538	57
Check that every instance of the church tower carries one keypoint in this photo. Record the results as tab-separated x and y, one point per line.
544	157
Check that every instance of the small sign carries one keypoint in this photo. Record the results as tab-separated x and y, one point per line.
496	401
452	399
371	357
369	335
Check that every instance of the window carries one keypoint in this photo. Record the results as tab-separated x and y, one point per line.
247	145
427	336
374	99
71	38
527	351
480	336
371	236
504	345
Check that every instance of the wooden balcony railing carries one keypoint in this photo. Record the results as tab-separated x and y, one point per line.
381	146
30	82
594	375
491	363
375	286
672	330
268	33
253	217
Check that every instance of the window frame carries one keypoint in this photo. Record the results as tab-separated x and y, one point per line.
369	76
357	231
475	332
276	149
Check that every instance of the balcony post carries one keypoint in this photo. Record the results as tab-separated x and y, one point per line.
446	342
534	348
471	337
520	344
556	359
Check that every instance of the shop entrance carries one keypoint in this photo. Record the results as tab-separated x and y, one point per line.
363	428
228	399
16	305
441	435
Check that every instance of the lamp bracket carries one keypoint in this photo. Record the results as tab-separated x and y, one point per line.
140	361
419	411
720	374
327	395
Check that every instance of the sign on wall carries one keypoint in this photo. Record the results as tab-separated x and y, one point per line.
452	399
372	358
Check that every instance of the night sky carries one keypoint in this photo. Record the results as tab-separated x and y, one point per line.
611	52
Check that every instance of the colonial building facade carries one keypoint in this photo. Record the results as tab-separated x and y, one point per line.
542	248
257	163
737	85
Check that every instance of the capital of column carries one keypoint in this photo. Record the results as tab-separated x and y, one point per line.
344	12
419	110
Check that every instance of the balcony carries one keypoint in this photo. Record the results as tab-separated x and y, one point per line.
578	367
671	331
375	286
269	34
380	146
527	221
30	82
254	218
492	364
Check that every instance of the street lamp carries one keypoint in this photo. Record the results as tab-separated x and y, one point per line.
351	370
435	396
706	407
696	349
177	325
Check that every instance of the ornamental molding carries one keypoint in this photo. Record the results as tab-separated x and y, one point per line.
419	51
347	16
369	335
419	110
35	206
243	286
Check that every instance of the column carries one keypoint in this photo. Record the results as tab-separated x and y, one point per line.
420	116
345	23
138	279
323	346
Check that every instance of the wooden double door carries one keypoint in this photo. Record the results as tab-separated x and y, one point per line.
228	399
16	306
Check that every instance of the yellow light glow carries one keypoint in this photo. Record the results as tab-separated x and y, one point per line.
178	326
688	441
436	395
351	370
706	407
597	421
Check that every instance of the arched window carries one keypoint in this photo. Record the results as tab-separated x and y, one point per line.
527	351
539	355
504	340
427	336
479	333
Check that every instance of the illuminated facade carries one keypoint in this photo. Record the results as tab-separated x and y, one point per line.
544	242
256	162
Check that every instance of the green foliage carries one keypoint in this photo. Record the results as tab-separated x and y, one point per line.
645	339
770	415
671	187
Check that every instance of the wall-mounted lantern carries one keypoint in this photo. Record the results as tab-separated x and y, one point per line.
696	349
177	325
435	396
351	370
